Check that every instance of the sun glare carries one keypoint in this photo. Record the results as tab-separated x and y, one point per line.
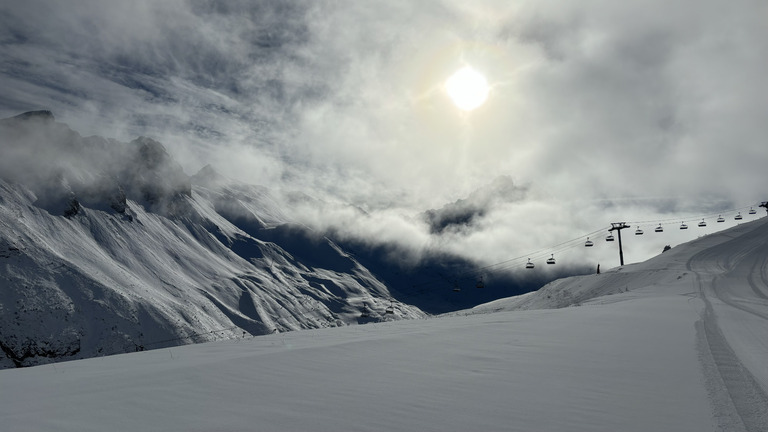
467	88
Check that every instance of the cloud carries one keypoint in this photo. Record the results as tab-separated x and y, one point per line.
606	111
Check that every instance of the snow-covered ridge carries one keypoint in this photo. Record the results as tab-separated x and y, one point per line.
667	268
108	247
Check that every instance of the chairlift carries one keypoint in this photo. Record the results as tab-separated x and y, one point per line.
720	218
390	309
752	211
480	283
683	226
738	216
529	265
638	231
609	238
551	260
702	223
588	243
659	229
456	287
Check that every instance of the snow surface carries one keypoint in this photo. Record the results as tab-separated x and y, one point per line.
675	343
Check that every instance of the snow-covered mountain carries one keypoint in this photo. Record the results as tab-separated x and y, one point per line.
676	343
108	247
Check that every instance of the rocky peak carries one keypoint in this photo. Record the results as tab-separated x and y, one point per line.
151	153
208	171
208	177
43	155
153	175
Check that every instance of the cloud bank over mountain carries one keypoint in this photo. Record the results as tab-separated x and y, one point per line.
601	111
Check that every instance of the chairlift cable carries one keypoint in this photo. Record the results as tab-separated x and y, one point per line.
671	221
579	242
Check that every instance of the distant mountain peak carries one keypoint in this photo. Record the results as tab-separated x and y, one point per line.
44	115
207	171
155	174
151	152
208	176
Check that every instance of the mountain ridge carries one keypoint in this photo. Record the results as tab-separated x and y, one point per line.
108	247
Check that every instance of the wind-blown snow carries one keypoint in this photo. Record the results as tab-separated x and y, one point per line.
674	343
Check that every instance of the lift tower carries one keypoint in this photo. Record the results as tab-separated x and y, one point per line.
618	226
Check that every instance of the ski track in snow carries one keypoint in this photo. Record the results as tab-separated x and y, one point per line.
739	402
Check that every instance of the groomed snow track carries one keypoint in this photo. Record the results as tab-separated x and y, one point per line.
739	402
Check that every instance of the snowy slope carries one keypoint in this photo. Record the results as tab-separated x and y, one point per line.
108	247
674	343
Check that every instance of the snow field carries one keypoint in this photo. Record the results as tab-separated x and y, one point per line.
612	367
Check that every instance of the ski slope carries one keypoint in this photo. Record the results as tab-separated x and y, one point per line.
675	343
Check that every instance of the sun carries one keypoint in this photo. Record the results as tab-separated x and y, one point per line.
467	88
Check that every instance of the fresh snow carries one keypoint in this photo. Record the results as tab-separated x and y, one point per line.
675	343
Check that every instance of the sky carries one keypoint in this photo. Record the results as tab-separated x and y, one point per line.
598	111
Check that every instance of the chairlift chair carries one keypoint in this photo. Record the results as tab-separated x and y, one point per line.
456	287
720	218
738	217
752	211
702	223
659	228
588	243
529	265
683	226
551	260
609	238
480	283
638	231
